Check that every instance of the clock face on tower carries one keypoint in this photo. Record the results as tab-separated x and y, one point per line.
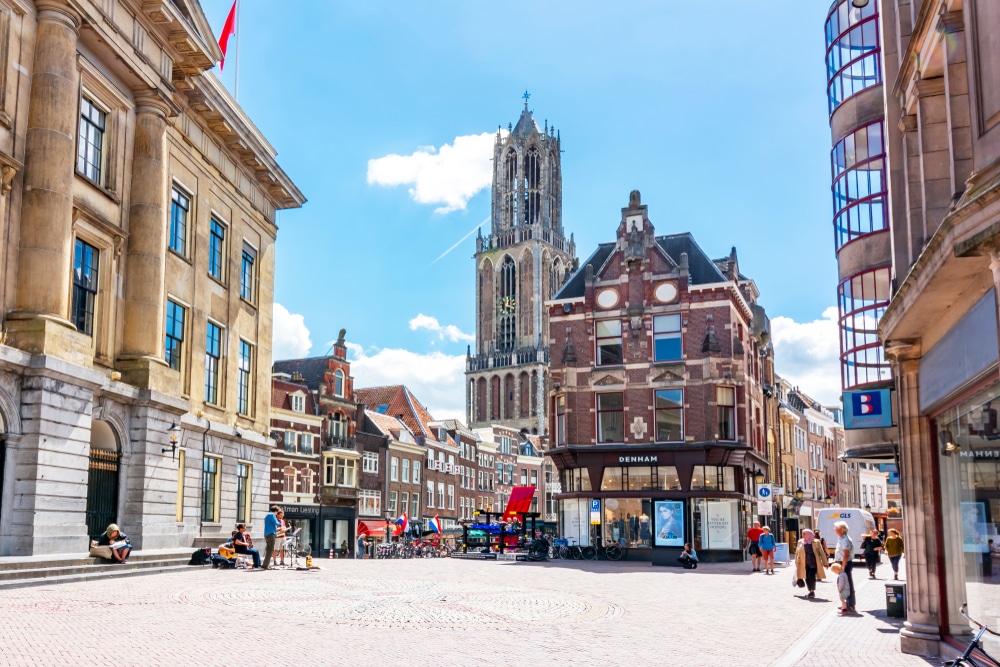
506	305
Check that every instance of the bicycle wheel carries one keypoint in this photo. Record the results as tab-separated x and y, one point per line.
613	552
564	553
589	553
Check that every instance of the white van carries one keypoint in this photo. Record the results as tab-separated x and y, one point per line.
859	523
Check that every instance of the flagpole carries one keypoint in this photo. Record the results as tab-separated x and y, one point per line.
236	85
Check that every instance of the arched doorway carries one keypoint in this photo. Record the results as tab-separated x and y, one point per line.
102	479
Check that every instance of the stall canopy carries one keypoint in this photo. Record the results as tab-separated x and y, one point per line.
376	528
520	500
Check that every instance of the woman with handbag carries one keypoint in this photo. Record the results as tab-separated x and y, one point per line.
810	560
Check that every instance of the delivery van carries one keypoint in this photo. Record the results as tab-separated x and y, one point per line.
859	523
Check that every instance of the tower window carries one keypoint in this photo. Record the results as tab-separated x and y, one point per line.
507	306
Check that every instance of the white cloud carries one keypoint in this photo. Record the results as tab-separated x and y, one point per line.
450	176
807	354
447	332
436	379
291	337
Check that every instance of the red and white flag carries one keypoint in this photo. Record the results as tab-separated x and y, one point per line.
228	31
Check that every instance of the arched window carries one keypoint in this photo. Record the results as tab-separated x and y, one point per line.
289	475
510	188
555	276
338	383
507	306
532	186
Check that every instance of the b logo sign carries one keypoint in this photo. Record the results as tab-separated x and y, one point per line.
867	409
867	403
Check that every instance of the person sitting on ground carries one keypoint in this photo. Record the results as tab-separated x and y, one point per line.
118	541
843	587
244	545
688	558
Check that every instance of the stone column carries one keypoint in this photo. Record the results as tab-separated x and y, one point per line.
141	361
918	477
45	253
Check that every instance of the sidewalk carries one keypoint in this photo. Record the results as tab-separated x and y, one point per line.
870	635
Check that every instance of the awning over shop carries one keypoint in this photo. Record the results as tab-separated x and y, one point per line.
376	528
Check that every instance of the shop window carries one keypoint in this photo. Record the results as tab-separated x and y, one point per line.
627	522
609	342
713	478
667	338
576	479
611	417
612	480
669	405
668	478
716	524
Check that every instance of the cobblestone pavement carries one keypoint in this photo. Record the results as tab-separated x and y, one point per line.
448	612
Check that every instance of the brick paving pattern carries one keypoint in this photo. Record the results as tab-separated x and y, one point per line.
448	612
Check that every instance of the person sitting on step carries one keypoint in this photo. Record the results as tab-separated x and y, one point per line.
118	541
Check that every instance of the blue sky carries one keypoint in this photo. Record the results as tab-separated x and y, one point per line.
715	110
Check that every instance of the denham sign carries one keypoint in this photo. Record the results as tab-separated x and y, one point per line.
628	460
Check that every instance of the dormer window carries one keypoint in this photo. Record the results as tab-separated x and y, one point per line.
298	403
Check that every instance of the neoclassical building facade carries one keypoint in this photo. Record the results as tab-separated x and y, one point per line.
138	224
524	261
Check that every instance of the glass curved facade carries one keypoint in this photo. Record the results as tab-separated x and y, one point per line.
852	54
859	184
863	299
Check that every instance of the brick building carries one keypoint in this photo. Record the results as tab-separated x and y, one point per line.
338	454
656	370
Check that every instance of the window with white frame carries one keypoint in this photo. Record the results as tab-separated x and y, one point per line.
329	470
392	501
611	417
415	505
451	496
347	472
609	342
394	469
416	472
667	338
406	470
725	410
430	494
369	502
440	495
298	403
404	501
338	383
369	462
291	442
306	443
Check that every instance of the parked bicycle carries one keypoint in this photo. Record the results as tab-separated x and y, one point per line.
608	551
967	659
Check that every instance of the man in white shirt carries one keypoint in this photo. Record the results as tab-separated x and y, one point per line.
844	554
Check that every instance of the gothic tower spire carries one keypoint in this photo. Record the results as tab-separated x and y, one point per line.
524	261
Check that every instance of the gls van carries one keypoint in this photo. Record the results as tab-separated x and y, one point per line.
859	523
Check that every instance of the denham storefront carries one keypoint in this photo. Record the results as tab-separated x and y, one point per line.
652	499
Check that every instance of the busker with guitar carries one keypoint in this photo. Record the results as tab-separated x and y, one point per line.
244	544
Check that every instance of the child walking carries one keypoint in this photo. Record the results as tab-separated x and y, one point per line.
843	587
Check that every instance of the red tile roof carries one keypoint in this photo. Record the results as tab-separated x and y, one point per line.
280	390
401	403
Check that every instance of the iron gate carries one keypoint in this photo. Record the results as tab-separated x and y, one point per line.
102	490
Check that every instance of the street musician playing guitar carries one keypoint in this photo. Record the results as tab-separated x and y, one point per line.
244	544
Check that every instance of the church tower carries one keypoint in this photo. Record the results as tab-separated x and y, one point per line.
524	261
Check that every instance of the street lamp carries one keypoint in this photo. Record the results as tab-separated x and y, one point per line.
828	499
868	508
799	493
388	526
859	4
174	432
758	475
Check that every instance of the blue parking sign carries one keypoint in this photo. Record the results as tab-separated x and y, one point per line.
595	505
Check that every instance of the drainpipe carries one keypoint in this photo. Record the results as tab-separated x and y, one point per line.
204	449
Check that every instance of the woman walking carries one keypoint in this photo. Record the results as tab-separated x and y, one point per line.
810	561
894	550
871	545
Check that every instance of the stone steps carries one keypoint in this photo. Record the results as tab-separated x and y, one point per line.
44	570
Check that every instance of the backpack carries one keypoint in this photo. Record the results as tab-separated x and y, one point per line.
201	557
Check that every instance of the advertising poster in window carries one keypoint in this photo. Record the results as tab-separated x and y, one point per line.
975	533
669	523
721	524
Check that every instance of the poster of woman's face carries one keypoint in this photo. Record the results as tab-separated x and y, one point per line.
668	523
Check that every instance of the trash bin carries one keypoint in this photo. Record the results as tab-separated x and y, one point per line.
895	600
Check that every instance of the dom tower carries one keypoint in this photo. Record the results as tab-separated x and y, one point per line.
524	261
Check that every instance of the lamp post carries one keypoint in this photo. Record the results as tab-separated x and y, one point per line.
799	493
828	500
859	4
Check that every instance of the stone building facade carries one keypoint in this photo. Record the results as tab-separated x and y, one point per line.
940	328
524	261
657	395
138	225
